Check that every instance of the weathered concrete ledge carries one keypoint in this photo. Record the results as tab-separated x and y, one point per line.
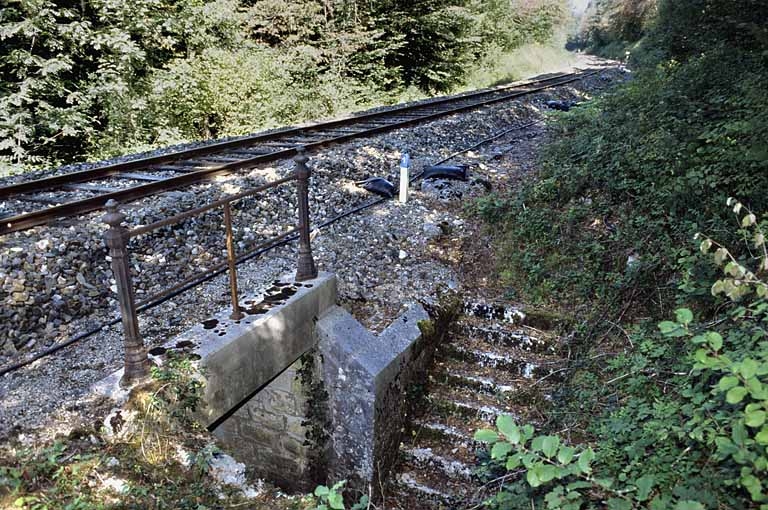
302	392
245	355
367	379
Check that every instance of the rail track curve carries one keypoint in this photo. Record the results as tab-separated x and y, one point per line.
133	180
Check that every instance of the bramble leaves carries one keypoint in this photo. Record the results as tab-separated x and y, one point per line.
644	485
669	328
500	450
689	505
727	382
736	395
565	454
585	460
684	316
486	436
550	445
723	402
332	498
507	426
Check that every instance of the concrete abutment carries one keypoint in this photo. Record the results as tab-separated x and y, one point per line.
304	394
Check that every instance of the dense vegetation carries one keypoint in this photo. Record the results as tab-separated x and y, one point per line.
103	77
667	394
611	27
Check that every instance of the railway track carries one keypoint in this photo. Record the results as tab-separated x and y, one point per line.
80	192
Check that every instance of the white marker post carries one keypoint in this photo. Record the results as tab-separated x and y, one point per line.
405	162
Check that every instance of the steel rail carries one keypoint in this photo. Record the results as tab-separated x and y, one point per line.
42	216
108	170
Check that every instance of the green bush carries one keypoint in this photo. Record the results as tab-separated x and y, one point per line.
68	72
682	418
636	173
675	414
105	77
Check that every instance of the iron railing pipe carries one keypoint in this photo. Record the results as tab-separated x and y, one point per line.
306	269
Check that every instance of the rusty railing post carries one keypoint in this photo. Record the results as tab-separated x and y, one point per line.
306	269
136	361
236	313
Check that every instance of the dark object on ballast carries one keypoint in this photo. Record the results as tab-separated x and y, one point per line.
562	106
458	172
484	183
378	185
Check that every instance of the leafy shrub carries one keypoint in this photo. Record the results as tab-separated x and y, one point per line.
691	431
332	498
69	71
105	77
609	27
631	176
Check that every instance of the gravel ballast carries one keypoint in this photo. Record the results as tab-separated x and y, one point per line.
55	281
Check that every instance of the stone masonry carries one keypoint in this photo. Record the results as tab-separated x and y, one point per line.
269	433
300	391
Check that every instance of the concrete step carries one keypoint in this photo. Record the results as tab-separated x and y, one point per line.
486	368
495	333
450	403
435	460
443	432
509	362
476	383
493	311
448	428
414	489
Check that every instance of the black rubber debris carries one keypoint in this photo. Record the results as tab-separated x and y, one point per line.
456	172
210	323
562	106
378	186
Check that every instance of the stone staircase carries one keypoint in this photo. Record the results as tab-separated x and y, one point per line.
489	366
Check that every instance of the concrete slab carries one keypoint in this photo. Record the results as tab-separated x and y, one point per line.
245	355
299	389
237	358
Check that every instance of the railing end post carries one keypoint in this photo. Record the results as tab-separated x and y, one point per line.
136	360
306	269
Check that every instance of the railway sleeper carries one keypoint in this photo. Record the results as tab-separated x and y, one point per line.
172	168
88	187
140	177
252	152
337	132
221	159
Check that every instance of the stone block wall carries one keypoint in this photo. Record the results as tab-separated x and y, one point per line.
337	413
270	432
396	390
368	379
302	392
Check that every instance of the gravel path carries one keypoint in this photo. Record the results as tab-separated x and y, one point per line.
54	281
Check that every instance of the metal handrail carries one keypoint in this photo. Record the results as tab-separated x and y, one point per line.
117	236
145	229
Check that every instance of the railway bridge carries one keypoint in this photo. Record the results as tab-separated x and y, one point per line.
302	392
294	385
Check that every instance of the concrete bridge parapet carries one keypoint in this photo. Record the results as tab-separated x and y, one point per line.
300	391
240	358
305	394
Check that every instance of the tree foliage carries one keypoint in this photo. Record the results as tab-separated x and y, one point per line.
639	171
609	26
100	77
692	429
